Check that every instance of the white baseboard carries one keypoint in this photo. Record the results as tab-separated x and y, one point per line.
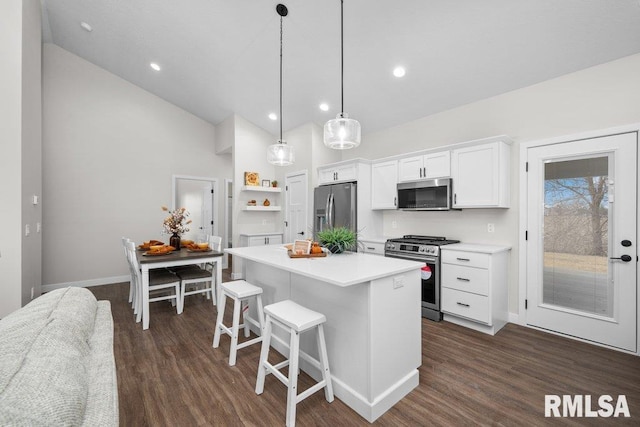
86	283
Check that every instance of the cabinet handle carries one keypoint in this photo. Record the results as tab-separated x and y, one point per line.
463	259
462	304
455	198
370	248
395	201
425	172
463	279
420	170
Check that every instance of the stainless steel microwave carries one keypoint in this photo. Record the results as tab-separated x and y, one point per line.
427	195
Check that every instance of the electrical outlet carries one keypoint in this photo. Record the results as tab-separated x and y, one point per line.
38	227
27	230
394	224
31	292
491	227
264	222
398	282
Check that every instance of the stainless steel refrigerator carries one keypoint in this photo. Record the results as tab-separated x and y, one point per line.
335	206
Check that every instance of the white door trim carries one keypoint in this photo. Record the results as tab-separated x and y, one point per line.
227	220
523	219
305	175
214	183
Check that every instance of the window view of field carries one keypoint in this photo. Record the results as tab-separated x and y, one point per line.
576	217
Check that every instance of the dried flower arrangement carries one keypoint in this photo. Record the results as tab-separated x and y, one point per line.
176	222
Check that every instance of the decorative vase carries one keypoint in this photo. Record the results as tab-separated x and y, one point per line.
174	240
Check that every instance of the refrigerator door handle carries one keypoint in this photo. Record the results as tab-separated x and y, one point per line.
330	211
326	211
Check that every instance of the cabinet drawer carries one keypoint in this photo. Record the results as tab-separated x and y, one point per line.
463	278
373	247
465	304
470	259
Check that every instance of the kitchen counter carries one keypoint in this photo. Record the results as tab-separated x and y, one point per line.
373	328
346	269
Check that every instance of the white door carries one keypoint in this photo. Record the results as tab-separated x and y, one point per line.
297	207
581	248
207	209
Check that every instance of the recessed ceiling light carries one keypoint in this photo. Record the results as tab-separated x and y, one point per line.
273	116
155	66
399	71
324	107
86	26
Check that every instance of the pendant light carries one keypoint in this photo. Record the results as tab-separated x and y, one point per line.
342	132
280	154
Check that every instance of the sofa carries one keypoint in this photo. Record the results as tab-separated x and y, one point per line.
57	365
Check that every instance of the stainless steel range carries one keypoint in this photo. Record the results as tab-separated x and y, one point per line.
427	250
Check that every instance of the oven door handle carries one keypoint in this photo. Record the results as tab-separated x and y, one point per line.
412	258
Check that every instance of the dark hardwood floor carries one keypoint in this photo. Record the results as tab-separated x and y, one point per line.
170	375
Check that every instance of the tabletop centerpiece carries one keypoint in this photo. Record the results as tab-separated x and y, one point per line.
338	239
176	224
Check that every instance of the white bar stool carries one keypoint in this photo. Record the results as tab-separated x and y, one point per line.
239	291
296	319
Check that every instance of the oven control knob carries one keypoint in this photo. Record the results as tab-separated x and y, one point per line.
422	249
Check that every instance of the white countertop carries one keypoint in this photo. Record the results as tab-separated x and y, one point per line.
344	269
475	247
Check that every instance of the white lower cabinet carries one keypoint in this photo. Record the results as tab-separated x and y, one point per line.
375	247
474	286
260	239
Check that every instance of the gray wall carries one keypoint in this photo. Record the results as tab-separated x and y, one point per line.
20	162
109	152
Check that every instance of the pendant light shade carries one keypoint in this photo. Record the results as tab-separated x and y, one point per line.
342	132
280	154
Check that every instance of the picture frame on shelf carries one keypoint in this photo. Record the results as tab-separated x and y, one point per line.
251	178
266	183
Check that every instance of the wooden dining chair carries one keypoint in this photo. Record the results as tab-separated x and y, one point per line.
198	280
163	284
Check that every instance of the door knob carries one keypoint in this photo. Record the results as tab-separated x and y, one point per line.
625	258
301	233
626	243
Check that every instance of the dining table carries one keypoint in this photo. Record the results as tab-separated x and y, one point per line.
175	259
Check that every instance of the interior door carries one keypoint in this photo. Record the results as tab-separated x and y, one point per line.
582	248
297	209
207	209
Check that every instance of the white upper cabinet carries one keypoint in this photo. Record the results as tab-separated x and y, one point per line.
427	166
337	173
384	179
480	176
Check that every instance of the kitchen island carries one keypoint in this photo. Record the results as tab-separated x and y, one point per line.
372	306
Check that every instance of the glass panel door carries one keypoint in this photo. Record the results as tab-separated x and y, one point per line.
581	247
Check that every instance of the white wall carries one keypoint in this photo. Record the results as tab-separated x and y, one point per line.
596	98
20	129
109	152
250	155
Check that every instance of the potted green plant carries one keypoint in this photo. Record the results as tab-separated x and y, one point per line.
338	239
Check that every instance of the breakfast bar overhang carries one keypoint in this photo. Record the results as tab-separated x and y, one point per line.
373	328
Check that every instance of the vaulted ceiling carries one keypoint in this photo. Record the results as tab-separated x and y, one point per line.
220	57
